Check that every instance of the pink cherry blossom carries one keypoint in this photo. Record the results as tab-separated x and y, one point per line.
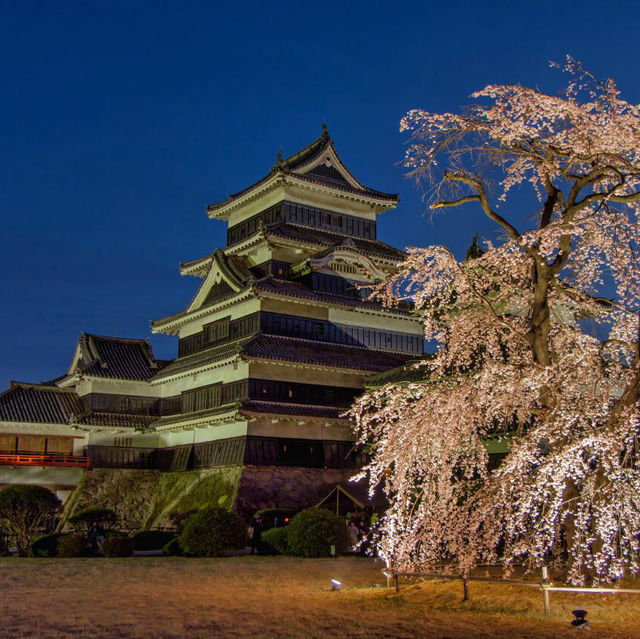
515	359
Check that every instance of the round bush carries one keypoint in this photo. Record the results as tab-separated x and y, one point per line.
275	539
117	546
152	539
173	548
312	532
212	532
45	545
73	545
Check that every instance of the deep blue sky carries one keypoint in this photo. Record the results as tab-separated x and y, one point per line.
120	121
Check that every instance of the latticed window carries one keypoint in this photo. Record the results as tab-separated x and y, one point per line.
217	331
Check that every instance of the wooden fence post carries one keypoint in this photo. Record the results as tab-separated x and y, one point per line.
397	580
545	590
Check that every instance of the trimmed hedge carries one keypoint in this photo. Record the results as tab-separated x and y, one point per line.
173	548
117	546
45	545
312	532
276	540
212	532
73	545
152	539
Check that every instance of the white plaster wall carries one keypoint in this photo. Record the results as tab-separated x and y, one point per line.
51	476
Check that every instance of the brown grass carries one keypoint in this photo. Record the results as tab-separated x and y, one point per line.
277	597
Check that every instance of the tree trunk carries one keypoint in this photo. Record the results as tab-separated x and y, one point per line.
540	317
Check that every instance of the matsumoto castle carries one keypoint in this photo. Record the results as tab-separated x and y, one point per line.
274	346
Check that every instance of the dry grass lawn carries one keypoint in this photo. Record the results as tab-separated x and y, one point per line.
277	597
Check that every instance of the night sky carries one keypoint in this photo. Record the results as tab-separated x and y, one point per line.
120	121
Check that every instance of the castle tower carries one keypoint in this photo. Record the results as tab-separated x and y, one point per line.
279	338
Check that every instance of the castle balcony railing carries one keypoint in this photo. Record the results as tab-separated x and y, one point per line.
44	459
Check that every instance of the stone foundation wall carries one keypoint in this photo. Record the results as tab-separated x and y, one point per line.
146	499
285	487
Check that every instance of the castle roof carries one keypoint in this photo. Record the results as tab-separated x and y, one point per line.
303	165
305	351
289	349
115	357
322	238
39	403
291	289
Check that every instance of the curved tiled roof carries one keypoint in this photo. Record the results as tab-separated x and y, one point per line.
117	357
289	165
202	358
305	351
282	408
40	404
289	288
119	420
310	235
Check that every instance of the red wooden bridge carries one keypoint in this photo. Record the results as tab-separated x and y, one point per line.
39	459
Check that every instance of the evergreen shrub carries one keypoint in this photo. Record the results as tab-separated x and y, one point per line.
152	539
117	546
312	532
73	545
275	539
213	532
44	545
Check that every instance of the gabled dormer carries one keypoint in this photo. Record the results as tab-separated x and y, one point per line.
224	276
342	261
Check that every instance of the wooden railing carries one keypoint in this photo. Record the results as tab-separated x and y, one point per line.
39	459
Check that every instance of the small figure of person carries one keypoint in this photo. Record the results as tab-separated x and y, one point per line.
352	529
256	535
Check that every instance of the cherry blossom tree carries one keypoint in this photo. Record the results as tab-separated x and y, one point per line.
537	343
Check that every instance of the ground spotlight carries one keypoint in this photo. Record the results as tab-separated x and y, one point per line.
579	621
335	584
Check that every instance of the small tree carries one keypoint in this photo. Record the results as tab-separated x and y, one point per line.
24	512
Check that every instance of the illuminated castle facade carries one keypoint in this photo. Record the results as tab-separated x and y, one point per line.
274	346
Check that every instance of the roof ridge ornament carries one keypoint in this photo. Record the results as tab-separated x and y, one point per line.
279	165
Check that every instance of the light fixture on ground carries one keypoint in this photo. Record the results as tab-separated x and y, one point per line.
335	584
580	621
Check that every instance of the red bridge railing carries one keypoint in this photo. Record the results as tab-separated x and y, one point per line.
38	459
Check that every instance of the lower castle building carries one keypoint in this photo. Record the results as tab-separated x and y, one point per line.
273	348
